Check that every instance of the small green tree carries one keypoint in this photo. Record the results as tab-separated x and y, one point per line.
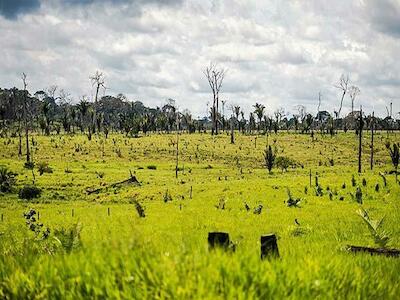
269	157
381	237
7	180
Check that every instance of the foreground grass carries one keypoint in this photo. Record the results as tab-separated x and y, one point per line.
165	255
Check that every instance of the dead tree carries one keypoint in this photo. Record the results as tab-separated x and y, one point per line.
26	118
360	129
354	91
98	82
177	146
232	130
215	77
343	85
372	124
319	103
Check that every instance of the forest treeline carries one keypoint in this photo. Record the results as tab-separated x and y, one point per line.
48	111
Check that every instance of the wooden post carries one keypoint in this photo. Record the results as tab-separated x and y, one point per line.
269	246
191	191
38	215
108	211
72	212
218	239
310	178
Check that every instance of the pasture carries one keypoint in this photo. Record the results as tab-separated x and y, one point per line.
116	254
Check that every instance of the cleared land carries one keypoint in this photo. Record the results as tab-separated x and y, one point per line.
165	254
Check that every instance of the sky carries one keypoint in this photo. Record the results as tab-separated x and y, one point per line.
278	53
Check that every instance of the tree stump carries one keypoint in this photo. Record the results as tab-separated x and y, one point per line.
269	246
218	240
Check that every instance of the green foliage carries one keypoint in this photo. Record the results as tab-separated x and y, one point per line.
43	167
291	201
29	165
7	180
29	192
284	162
165	255
167	197
381	237
69	238
221	204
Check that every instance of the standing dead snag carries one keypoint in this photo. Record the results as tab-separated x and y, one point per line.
360	129
343	85
232	130
215	77
354	91
26	119
372	124
98	81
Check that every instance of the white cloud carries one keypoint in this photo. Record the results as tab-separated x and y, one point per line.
280	53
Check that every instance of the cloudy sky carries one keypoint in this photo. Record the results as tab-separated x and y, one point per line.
279	53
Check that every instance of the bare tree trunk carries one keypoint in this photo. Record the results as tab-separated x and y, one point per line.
232	131
20	139
177	148
360	141
372	140
28	155
95	109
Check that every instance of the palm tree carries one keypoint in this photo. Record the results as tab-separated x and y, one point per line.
83	108
259	111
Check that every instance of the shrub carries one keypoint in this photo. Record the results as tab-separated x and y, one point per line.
70	238
29	192
284	162
167	197
292	202
381	237
43	167
7	180
29	165
100	174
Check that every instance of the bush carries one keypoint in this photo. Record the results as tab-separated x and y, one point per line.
69	238
284	162
7	180
43	167
29	165
29	192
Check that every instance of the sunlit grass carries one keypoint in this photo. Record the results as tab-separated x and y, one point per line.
165	254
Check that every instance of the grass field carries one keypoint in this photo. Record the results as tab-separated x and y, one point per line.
119	255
